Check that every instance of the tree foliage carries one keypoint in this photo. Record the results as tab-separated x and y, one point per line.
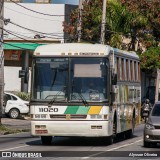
137	20
148	13
150	59
91	21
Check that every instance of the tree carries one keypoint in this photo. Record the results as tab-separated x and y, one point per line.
150	59
120	23
145	25
91	20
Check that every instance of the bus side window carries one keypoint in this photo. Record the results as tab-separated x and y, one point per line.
135	71
131	70
123	72
127	70
139	73
118	68
130	95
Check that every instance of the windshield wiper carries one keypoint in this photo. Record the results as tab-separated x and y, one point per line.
84	101
55	97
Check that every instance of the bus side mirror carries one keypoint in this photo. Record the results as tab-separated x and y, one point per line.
24	74
114	79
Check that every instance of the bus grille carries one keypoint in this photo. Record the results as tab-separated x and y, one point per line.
72	116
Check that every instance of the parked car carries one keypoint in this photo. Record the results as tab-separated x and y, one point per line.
152	127
14	105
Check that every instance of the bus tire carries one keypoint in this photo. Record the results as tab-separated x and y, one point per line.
130	133
46	140
110	140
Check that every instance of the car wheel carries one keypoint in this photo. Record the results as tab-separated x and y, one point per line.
46	140
14	113
146	144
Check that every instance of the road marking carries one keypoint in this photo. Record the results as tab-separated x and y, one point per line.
14	148
112	149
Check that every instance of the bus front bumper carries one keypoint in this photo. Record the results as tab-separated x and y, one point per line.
71	128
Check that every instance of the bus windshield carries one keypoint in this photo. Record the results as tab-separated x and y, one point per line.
70	79
50	78
88	79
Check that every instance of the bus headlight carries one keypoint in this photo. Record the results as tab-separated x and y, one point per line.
37	116
96	116
40	116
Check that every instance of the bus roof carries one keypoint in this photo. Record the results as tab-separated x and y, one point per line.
58	49
128	53
76	48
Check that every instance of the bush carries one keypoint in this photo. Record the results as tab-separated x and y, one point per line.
23	95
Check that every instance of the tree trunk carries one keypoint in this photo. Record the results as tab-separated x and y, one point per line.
133	40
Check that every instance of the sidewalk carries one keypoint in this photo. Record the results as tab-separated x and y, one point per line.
16	124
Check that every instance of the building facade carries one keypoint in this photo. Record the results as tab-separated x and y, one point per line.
28	25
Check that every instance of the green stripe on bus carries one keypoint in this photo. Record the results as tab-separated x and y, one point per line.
71	110
83	110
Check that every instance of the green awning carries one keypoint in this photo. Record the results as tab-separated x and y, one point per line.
20	46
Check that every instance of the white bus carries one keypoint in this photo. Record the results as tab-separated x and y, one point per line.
89	90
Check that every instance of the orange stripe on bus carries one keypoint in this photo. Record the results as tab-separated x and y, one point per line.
95	110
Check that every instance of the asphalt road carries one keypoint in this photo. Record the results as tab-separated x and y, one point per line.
78	148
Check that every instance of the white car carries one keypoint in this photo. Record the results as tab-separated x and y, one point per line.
15	106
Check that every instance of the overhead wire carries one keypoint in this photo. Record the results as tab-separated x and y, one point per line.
44	36
18	36
50	34
31	15
36	11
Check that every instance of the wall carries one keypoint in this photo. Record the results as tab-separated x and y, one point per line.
13	82
51	25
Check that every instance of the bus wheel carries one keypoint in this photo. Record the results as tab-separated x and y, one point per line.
111	138
129	133
46	140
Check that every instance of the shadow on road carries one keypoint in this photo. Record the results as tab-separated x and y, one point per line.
79	141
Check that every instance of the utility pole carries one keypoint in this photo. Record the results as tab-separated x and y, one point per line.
103	24
1	61
157	85
79	27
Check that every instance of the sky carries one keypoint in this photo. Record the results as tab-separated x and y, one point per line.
58	1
